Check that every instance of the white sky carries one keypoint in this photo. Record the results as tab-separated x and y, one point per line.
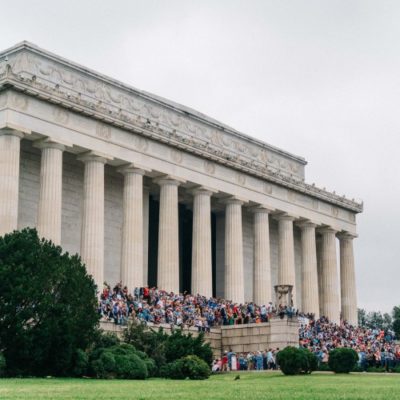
318	78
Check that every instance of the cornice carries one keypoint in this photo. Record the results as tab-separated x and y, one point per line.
31	70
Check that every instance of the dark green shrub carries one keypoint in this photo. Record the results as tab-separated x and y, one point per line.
2	365
376	369
294	361
165	349
342	360
119	361
81	363
309	361
191	367
323	367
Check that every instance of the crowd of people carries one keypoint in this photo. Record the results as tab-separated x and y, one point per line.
252	361
160	307
375	347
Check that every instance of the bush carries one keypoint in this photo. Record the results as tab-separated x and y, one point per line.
48	306
81	363
191	367
376	369
2	365
120	361
294	361
165	349
342	360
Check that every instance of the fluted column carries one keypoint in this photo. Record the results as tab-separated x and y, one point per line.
309	272
201	243
348	279
92	238
132	274
50	196
286	271
10	141
168	236
146	209
262	289
319	269
330	306
234	274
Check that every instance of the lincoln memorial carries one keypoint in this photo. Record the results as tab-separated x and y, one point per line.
150	192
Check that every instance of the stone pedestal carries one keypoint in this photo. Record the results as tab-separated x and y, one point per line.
10	141
330	305
201	247
92	238
309	273
348	279
234	275
50	198
168	236
132	274
262	262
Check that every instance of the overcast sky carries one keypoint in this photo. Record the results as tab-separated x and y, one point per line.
320	79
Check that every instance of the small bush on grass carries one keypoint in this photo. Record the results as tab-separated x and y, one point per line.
121	361
342	360
191	367
294	361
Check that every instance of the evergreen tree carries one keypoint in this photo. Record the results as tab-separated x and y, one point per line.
48	306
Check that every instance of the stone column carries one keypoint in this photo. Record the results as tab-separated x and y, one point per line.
132	274
50	197
286	271
329	278
201	247
234	274
146	210
309	273
168	236
319	269
262	289
92	238
348	279
10	141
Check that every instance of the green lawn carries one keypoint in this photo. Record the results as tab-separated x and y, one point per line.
253	386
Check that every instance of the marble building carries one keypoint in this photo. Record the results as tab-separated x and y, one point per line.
148	191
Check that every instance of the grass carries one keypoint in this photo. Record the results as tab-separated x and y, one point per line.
257	386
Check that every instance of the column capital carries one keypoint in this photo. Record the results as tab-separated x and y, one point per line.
133	168
203	190
94	156
233	200
346	235
169	180
48	143
261	209
284	217
327	230
12	132
306	224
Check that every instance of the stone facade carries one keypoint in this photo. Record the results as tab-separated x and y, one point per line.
81	155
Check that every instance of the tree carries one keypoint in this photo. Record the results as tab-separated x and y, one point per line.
396	321
48	306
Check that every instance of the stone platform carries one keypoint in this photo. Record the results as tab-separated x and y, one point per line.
278	333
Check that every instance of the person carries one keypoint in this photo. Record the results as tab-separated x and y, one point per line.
259	361
225	362
217	365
